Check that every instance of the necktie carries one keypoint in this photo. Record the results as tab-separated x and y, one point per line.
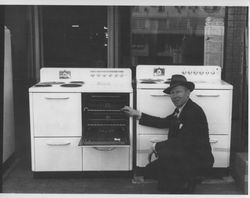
176	112
176	120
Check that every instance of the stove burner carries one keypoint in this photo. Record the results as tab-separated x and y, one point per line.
43	85
71	85
48	84
78	82
52	83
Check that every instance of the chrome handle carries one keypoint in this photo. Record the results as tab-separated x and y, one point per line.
50	98
200	95
59	144
213	141
104	148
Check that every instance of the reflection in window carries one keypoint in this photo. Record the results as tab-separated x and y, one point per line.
177	35
74	36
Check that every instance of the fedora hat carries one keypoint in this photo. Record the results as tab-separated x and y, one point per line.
179	80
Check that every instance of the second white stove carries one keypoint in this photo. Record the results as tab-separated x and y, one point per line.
212	93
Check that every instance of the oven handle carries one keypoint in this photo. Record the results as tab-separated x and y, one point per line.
159	95
104	148
59	144
214	96
50	98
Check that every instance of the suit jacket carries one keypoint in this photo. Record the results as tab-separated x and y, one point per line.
190	136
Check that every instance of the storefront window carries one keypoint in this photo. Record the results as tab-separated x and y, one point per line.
74	36
176	35
78	36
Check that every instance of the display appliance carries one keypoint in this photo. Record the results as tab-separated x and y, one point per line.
212	93
76	121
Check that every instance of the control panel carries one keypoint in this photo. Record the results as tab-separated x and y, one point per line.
111	75
108	74
165	72
205	73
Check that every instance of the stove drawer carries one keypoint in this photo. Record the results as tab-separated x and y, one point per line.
57	154
144	145
56	114
106	158
217	105
220	145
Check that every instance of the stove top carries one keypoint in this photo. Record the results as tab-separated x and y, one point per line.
159	76
62	84
84	80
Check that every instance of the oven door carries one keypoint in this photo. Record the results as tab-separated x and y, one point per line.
103	121
106	144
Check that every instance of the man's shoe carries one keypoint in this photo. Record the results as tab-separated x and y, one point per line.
138	179
188	187
191	186
163	188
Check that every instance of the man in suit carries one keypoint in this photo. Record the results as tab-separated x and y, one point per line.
187	149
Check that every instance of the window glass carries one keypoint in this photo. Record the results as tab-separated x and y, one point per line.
176	35
74	36
77	36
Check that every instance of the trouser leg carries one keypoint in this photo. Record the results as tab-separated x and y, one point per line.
151	170
174	168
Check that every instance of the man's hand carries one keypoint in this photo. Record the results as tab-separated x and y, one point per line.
131	112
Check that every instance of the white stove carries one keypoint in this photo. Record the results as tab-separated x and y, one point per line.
76	121
212	93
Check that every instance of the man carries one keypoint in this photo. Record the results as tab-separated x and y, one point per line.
187	149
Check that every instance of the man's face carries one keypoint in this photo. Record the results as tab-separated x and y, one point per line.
179	95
